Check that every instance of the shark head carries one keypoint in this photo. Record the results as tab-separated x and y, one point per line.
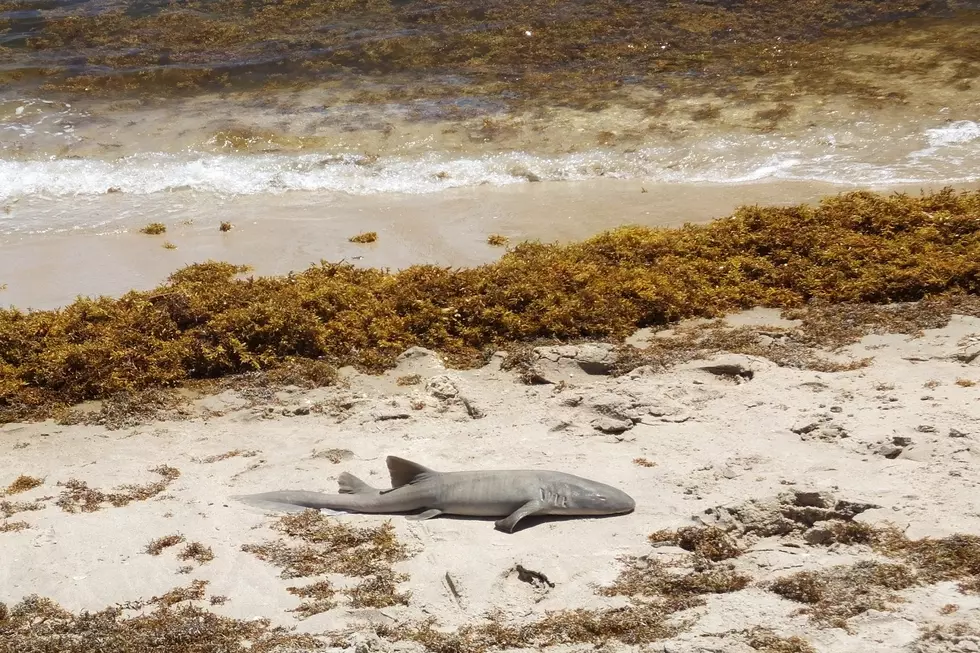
585	497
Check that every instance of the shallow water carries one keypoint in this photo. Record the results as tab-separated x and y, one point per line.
234	98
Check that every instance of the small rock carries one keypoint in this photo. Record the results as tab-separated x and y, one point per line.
901	440
968	356
571	401
919	453
222	402
818	535
812	499
808	425
968	646
611	425
953	433
384	417
556	364
826	433
836	409
850	509
472	409
889	451
616	406
419	353
925	428
442	387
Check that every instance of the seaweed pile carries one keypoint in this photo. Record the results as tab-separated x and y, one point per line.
208	322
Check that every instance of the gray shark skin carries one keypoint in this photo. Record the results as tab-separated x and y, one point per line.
510	494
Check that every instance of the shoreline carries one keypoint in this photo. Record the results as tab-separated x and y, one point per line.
278	234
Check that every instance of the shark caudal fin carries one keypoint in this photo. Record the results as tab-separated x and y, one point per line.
404	472
350	484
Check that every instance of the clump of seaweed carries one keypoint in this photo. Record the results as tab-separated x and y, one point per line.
336	456
10	508
157	546
637	623
197	552
409	379
13	526
944	637
858	248
712	542
173	624
366	237
646	577
126	409
835	595
225	227
169	245
767	641
956	557
22	483
319	598
496	240
234	453
380	590
332	547
79	497
154	229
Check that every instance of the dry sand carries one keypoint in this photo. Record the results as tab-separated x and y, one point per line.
714	440
276	234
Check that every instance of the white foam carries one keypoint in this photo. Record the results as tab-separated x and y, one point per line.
960	131
952	156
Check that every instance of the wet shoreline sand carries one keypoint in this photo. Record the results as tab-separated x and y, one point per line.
278	234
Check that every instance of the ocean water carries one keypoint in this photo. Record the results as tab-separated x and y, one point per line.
240	98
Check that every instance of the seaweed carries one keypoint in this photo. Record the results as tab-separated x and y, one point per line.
79	497
657	591
154	229
538	53
22	483
835	595
157	546
858	249
169	622
328	546
366	237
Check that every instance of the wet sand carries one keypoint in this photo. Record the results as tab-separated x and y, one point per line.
277	234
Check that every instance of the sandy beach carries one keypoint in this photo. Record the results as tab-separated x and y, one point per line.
806	480
773	455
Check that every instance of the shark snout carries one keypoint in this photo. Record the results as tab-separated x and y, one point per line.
618	501
604	500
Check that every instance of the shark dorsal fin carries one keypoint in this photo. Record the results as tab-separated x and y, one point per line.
404	471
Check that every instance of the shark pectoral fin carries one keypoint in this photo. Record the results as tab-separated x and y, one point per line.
535	507
428	514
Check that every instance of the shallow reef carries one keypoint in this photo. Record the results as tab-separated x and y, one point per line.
531	53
